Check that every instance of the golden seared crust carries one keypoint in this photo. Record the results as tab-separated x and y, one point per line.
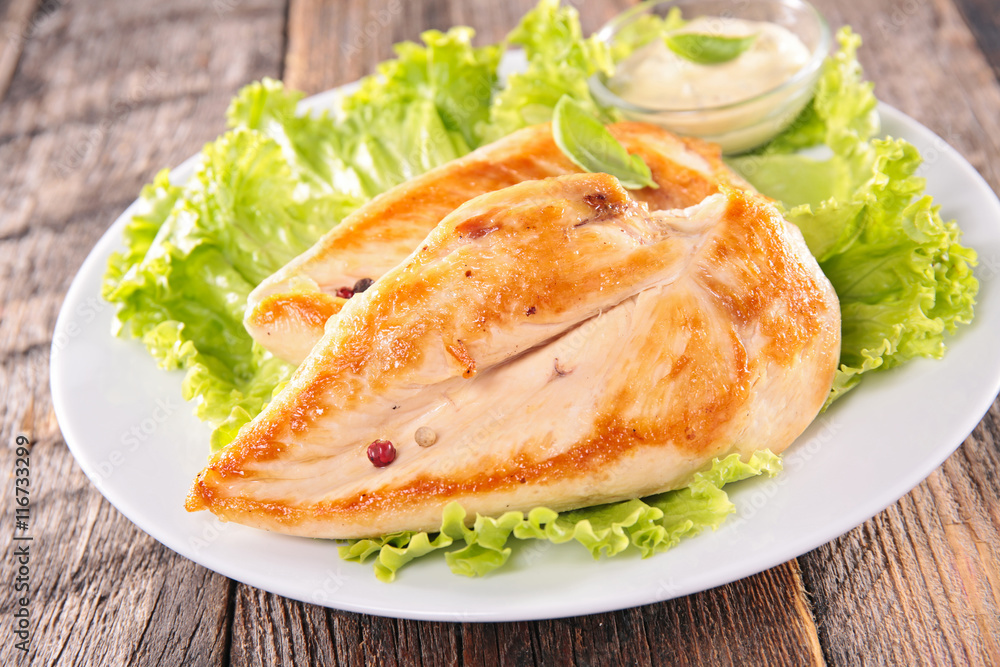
568	348
747	290
309	308
383	232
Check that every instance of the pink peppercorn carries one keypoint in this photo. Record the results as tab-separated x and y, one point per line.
381	453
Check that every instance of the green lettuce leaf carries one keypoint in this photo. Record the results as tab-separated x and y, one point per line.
448	72
650	525
560	60
264	193
902	276
311	143
279	179
645	29
193	255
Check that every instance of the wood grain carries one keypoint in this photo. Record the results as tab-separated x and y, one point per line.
102	95
18	22
918	584
333	43
983	20
764	619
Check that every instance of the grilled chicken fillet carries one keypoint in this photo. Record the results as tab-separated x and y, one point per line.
287	312
567	346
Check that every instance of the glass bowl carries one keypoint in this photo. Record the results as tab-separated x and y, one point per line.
736	126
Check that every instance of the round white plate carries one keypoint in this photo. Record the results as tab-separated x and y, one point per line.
139	443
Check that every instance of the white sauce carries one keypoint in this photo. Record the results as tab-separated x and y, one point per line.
656	78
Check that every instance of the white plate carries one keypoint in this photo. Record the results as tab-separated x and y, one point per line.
138	442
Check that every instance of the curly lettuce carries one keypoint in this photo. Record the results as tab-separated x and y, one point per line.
268	188
560	60
264	193
903	277
649	525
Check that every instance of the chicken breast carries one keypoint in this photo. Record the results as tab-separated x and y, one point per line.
566	347
287	312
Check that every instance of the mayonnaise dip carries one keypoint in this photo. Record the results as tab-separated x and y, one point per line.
656	77
664	83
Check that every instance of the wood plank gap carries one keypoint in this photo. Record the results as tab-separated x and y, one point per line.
332	633
803	607
642	634
283	58
459	646
17	30
983	22
227	646
810	589
297	38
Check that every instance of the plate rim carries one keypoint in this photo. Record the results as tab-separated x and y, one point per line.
111	239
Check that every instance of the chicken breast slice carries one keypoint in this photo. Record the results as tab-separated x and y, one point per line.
567	347
288	311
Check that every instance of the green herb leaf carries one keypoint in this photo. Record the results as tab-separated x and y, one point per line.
708	49
585	141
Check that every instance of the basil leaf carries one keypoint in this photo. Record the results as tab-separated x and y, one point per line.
708	49
585	141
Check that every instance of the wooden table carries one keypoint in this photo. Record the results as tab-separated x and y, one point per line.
95	97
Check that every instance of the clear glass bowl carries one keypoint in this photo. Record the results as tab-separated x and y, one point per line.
745	124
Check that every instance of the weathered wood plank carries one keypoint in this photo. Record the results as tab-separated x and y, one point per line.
272	630
925	62
17	23
764	619
328	45
948	54
103	98
737	624
104	95
918	584
333	43
984	21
